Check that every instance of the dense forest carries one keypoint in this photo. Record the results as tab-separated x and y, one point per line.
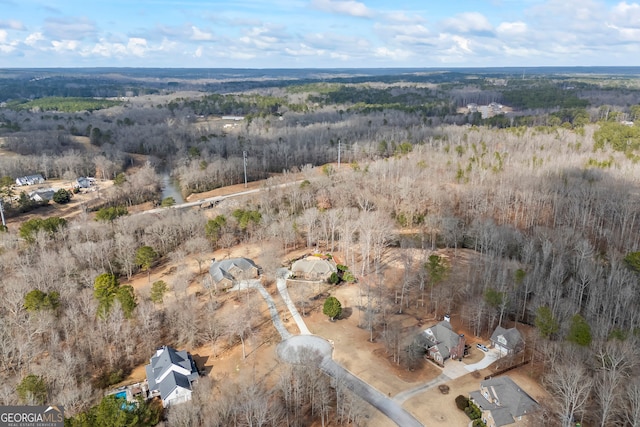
545	193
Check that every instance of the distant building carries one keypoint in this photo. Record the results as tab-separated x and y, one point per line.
84	182
442	343
313	268
42	195
30	180
235	118
507	341
227	272
170	374
502	402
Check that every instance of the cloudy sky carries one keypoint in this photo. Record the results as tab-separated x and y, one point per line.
318	33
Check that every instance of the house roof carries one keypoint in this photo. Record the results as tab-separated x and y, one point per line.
31	177
221	269
506	400
172	381
313	265
45	194
511	337
165	372
443	337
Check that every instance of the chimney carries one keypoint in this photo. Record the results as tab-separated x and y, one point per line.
447	318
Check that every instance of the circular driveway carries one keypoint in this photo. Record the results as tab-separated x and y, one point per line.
296	348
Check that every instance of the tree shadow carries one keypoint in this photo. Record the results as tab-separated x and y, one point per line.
201	364
346	313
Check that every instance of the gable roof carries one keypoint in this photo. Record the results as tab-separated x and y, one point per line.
221	269
313	265
42	194
443	337
506	400
169	369
30	179
511	337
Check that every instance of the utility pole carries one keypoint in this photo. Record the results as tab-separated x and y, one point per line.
244	160
4	224
339	143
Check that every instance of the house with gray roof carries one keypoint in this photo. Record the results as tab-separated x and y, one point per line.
507	341
42	195
502	402
442	342
170	375
227	272
313	268
30	180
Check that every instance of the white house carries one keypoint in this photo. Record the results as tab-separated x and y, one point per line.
30	180
170	375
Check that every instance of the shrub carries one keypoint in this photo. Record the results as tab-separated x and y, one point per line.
334	279
62	196
473	412
462	402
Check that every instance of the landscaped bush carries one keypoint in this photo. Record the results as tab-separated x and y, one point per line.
334	279
462	402
473	412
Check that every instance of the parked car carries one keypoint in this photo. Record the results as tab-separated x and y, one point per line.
482	347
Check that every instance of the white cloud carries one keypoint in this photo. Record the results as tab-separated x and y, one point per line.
198	52
64	45
394	54
463	44
137	46
6	46
343	7
107	49
468	22
263	37
199	35
12	24
512	28
400	16
304	50
33	38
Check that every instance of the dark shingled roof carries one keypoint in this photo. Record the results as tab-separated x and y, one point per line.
512	337
163	364
506	400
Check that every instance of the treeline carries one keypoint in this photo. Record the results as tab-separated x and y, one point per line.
553	226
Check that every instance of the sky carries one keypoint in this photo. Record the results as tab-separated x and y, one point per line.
318	33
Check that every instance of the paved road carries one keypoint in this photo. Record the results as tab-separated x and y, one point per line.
292	351
216	199
392	409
